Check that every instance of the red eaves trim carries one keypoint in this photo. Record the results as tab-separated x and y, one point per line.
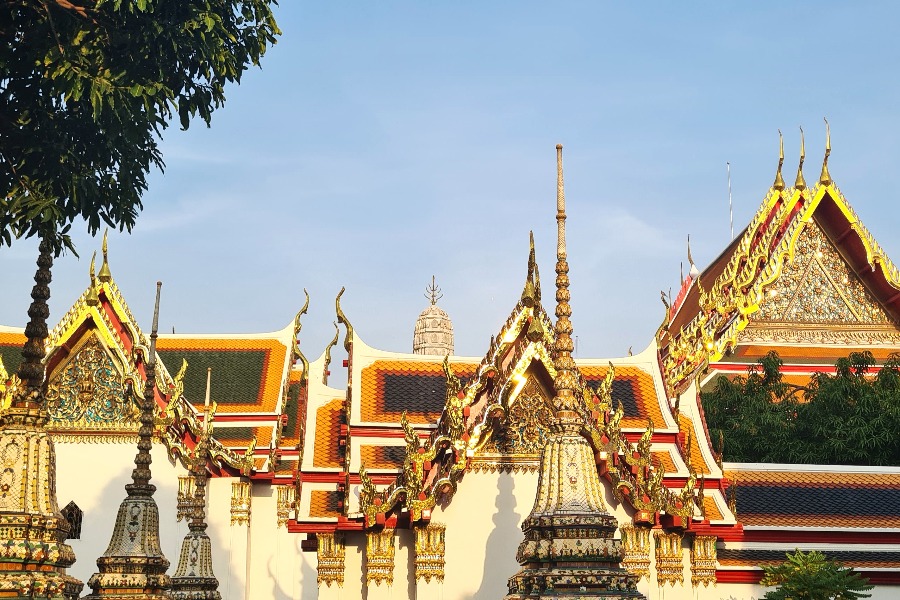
829	537
341	478
383	432
741	576
755	575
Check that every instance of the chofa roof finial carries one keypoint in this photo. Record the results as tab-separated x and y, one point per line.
800	183
694	272
779	180
105	275
825	177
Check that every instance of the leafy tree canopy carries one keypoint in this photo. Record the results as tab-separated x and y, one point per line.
86	88
812	576
848	418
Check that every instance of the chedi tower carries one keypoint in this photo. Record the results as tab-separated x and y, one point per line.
569	550
434	330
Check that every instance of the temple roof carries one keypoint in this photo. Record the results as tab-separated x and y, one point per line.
705	323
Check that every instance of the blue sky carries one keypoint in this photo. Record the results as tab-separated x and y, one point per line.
383	143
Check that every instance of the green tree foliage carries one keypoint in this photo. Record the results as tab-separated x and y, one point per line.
812	576
848	418
86	88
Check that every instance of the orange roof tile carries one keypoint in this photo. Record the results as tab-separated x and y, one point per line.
635	388
389	387
328	423
711	507
382	457
247	372
687	429
324	504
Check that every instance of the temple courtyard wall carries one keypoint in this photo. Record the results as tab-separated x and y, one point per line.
263	561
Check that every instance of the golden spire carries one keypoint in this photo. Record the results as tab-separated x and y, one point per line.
105	274
528	293
694	271
779	180
564	383
92	298
800	183
825	177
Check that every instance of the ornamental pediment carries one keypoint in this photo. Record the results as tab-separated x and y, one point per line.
89	393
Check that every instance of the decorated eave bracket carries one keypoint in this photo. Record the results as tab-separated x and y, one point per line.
178	421
431	470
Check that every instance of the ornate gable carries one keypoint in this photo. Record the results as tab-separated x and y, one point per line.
817	286
89	393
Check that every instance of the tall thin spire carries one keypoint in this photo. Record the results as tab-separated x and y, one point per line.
564	384
134	553
779	180
800	183
825	177
569	511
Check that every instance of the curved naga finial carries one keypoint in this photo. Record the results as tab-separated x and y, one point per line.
177	389
342	319
105	274
295	348
825	177
331	345
694	271
529	294
779	180
800	183
92	299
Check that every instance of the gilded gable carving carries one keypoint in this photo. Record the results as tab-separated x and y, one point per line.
818	287
517	442
88	394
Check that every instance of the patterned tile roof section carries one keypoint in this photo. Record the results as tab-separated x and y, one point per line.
295	409
690	435
818	499
382	457
328	424
240	437
390	387
324	504
635	388
247	372
11	343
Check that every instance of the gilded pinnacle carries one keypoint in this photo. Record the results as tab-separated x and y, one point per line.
779	180
105	274
800	183
825	177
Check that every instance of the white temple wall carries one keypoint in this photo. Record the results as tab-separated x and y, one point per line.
278	569
94	476
229	542
483	533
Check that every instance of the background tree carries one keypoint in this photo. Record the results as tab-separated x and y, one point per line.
812	576
86	89
755	414
848	418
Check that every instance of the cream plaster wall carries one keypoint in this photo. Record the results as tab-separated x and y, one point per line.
264	562
94	476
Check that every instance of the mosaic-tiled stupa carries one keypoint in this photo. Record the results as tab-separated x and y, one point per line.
569	550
